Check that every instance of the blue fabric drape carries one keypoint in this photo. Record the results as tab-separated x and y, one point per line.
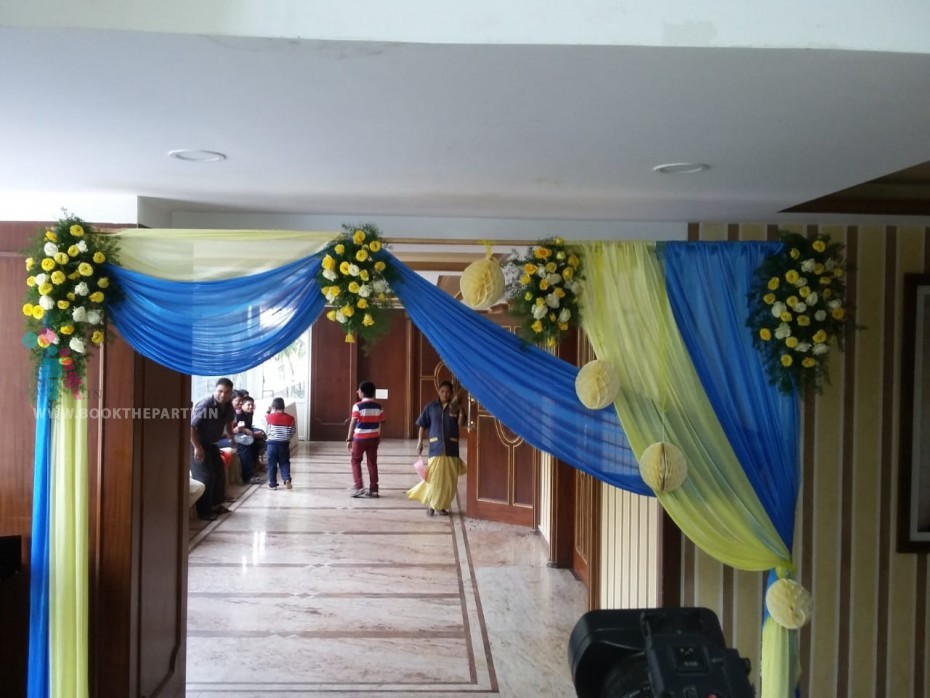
215	327
38	664
530	391
708	285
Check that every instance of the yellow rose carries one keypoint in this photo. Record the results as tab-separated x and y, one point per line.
331	315
63	305
77	231
818	268
558	241
103	282
791	276
70	296
61	258
826	280
791	301
820	337
819	245
27	310
45	289
350	338
74	251
363	274
536	326
542	252
67	329
543	285
765	333
769	298
550	341
99	258
791	342
344	268
379	266
382	297
42	341
348	311
74	275
551	317
804	320
560	293
563	326
353	287
97	337
375	246
329	263
795	253
37	312
786	360
96	297
361	255
530	268
838	313
48	264
785	316
368	320
773	283
362	303
30	263
838	272
358	237
568	273
540	301
58	277
51	235
826	293
809	362
339	249
525	279
30	281
805	291
85	269
528	296
573	261
551	267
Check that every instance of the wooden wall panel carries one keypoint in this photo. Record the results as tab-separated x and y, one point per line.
333	381
868	634
389	367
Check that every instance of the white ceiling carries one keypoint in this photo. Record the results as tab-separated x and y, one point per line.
492	131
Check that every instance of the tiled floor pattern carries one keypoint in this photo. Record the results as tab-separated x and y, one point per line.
309	592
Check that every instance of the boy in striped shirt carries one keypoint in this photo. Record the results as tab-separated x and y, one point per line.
364	437
279	427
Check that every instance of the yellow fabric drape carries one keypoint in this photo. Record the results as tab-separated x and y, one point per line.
68	551
210	255
628	319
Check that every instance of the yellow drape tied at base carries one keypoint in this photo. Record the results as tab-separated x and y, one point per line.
210	255
68	551
630	323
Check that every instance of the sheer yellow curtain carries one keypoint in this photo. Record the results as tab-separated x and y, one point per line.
210	255
68	551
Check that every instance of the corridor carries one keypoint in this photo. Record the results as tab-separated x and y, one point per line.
309	592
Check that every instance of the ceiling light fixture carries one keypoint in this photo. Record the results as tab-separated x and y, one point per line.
681	168
197	155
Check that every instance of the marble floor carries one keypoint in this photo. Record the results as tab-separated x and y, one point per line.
309	592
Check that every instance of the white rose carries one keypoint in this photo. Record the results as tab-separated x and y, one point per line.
353	270
820	315
340	318
81	289
575	288
330	275
552	300
50	249
76	344
820	349
834	304
565	315
41	279
778	308
807	266
94	317
830	264
812	299
79	314
803	347
330	296
802	281
541	271
782	331
800	308
554	279
46	302
540	311
82	245
379	286
364	290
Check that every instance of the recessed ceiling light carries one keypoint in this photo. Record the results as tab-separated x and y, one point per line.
197	155
681	168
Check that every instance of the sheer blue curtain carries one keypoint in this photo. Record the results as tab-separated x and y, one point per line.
38	664
530	391
215	327
708	286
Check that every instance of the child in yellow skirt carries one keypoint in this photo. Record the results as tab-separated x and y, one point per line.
440	422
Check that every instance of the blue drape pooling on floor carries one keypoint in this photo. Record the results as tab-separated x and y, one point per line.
708	286
38	665
215	327
530	391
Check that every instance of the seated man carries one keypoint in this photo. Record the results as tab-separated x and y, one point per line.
249	441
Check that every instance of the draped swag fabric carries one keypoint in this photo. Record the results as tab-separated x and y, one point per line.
676	335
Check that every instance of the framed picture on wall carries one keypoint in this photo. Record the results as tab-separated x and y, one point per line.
914	482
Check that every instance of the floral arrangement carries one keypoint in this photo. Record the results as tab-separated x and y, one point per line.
797	307
354	276
544	290
67	292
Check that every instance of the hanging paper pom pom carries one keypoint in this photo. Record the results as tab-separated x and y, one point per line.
597	384
789	604
482	284
663	467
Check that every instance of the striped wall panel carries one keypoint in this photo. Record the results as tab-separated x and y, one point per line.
628	553
868	636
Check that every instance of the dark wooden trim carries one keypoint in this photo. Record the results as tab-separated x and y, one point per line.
594	559
669	568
